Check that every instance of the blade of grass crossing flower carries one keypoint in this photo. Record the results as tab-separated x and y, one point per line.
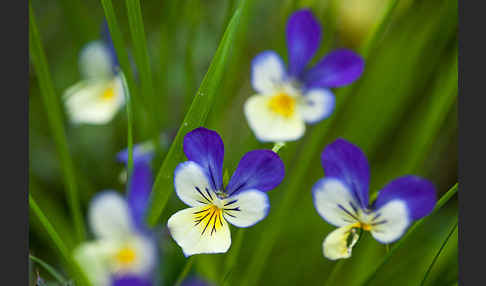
58	243
49	269
54	116
379	29
312	145
443	200
142	59
185	271
446	240
128	105
195	117
124	61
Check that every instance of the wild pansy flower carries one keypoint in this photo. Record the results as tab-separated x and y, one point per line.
124	250
203	227
341	198
290	97
99	95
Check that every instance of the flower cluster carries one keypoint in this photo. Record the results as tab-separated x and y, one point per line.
124	251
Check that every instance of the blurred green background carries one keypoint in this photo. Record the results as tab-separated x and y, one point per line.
402	112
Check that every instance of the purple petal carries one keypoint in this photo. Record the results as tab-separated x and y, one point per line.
105	33
141	152
139	192
347	162
303	38
206	148
419	195
194	281
259	169
130	281
338	68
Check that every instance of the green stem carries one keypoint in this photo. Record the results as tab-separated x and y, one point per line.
54	116
128	101
232	257
59	244
184	271
335	270
443	200
453	229
142	60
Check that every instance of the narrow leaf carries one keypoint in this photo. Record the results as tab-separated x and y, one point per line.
195	117
54	116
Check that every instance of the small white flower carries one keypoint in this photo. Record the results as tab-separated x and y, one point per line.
98	97
119	249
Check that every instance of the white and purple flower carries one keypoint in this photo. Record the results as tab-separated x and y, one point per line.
124	251
341	198
203	227
290	97
99	95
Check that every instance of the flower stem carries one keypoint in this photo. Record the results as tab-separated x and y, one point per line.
184	271
232	257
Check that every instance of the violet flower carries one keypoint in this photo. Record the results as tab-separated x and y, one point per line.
203	227
341	198
290	97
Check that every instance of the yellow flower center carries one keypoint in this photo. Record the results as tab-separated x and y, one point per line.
109	93
126	256
363	226
210	219
282	104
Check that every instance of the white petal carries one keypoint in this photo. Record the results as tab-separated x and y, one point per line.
93	260
94	102
246	208
335	245
211	235
192	184
95	61
334	202
391	221
110	217
269	126
316	105
267	71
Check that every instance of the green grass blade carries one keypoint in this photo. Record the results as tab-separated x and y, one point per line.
59	244
185	271
312	146
126	67
446	240
54	115
195	117
128	102
141	57
49	269
443	200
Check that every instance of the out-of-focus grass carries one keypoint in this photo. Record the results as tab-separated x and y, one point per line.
401	113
